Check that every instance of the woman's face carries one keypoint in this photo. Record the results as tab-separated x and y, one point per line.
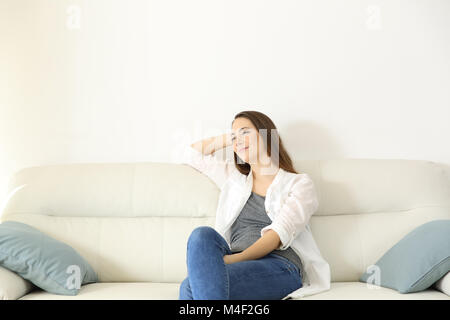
246	140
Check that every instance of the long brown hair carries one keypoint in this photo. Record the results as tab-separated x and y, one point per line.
261	121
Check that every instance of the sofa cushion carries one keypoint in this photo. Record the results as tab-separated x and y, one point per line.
48	263
170	291
416	262
13	286
443	284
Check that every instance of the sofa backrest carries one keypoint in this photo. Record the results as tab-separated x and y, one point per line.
131	221
368	205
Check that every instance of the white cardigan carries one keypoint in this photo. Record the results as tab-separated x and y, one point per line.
290	202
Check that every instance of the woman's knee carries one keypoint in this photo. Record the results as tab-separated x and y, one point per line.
201	233
207	236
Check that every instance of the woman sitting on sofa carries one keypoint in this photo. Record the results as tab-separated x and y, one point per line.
262	246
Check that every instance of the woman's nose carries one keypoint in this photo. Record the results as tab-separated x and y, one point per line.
240	145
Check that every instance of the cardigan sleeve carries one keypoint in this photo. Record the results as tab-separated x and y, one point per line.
216	169
295	212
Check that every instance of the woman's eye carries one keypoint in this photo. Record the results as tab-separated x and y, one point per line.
244	132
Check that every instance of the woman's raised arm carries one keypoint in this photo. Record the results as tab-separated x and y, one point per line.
211	145
200	155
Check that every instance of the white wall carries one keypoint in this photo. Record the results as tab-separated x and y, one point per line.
121	80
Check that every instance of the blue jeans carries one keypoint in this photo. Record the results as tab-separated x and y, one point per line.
271	277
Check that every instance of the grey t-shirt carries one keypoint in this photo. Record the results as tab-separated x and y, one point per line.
246	230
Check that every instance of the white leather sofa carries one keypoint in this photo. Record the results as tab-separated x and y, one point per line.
131	221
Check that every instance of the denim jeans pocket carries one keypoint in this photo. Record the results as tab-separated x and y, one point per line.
288	264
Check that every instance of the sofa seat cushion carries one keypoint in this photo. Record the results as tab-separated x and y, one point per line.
361	291
169	291
114	291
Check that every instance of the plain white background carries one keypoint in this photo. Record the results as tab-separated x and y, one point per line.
126	81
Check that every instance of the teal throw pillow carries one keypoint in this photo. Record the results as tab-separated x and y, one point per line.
417	261
46	262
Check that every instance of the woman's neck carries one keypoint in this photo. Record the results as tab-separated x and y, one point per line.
264	172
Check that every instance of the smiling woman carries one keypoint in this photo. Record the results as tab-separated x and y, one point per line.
256	142
251	258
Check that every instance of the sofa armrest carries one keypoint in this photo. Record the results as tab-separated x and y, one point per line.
13	286
443	284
